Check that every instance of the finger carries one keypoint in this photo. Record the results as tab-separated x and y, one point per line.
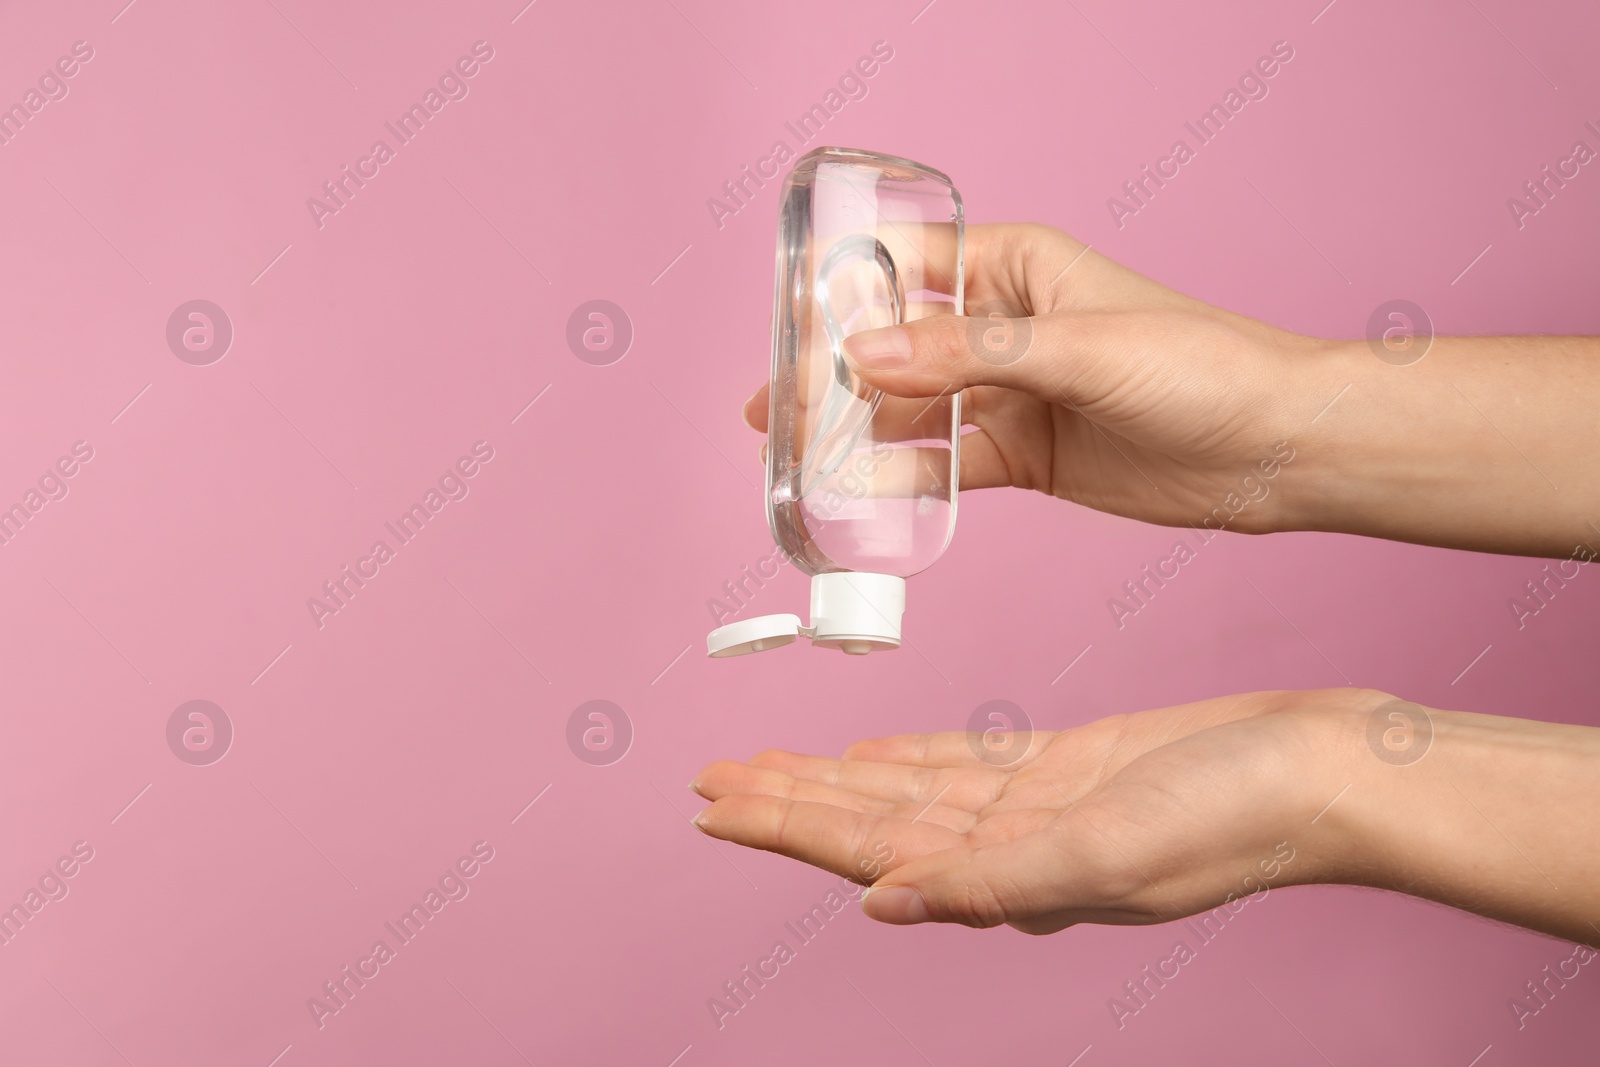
848	843
945	353
910	418
1035	269
896	418
755	409
726	778
1012	271
970	789
983	465
958	749
1006	262
924	254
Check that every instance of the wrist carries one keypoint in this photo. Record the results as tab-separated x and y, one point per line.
1334	835
1480	445
1314	377
1479	812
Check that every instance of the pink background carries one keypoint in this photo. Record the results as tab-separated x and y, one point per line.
372	352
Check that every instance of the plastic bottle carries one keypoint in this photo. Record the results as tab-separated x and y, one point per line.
861	486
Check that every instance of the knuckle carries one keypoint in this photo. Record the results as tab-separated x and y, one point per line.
781	832
1041	233
942	337
974	902
860	836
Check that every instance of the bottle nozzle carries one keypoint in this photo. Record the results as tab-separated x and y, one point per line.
853	611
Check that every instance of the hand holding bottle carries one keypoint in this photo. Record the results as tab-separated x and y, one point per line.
1100	386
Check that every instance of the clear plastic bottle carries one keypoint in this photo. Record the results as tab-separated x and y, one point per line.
861	486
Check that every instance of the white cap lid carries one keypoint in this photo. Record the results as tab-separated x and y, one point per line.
853	611
753	635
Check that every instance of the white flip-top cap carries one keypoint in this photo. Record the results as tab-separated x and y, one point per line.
853	611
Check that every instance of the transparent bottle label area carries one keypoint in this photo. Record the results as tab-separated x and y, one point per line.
886	507
879	534
861	480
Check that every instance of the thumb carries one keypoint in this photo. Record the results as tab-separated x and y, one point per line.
1009	882
947	353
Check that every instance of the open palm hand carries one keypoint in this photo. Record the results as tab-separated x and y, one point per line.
1128	820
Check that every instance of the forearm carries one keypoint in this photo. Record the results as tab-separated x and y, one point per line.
1488	443
1497	816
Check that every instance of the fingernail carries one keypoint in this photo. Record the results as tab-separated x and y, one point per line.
701	818
879	349
694	783
899	905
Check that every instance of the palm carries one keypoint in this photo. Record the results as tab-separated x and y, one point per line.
1114	810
